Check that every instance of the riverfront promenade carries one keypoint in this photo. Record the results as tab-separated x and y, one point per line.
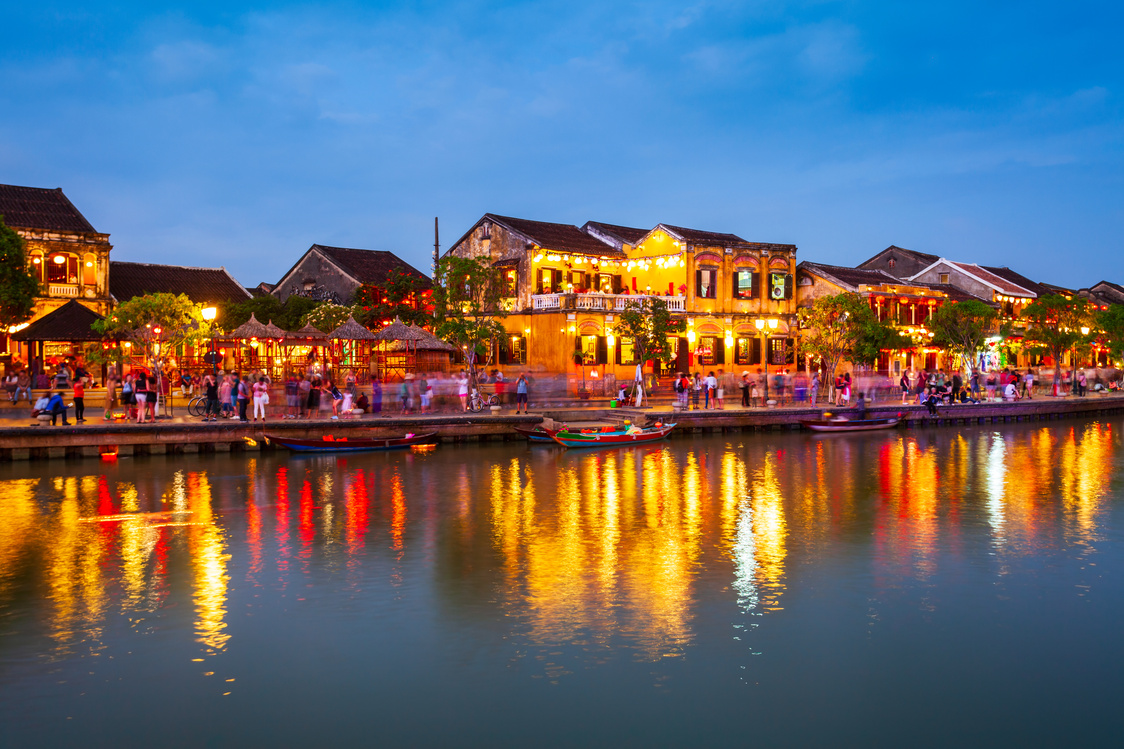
20	440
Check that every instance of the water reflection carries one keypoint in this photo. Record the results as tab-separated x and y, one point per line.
589	554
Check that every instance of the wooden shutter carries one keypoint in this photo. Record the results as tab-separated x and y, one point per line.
698	282
720	351
617	355
504	350
616	285
788	286
602	350
755	284
683	356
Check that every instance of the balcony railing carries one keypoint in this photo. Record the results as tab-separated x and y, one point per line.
62	289
604	302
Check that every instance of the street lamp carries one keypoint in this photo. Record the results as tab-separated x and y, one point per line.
209	314
760	324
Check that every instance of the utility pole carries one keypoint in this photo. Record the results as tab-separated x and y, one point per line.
436	248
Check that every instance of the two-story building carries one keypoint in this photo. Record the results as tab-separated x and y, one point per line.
567	287
68	256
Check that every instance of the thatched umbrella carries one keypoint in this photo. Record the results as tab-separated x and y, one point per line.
274	332
352	331
249	330
309	333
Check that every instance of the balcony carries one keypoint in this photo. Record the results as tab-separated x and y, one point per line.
62	289
601	302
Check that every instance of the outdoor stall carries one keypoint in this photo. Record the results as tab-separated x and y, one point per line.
350	348
306	352
397	352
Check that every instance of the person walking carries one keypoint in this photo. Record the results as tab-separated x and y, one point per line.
425	394
744	387
720	390
711	385
814	388
696	389
337	398
79	401
1028	384
314	390
462	389
292	396
110	395
376	395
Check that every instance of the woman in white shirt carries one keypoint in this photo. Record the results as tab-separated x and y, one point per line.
462	389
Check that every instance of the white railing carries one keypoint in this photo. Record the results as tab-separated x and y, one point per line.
59	289
606	302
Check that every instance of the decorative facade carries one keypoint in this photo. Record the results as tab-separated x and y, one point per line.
567	286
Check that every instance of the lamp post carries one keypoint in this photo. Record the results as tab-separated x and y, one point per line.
209	314
760	324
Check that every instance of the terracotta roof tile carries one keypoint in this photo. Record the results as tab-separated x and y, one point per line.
626	234
1018	279
40	208
369	266
202	285
1005	286
558	237
698	236
852	277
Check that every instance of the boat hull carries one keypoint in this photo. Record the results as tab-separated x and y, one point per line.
539	435
612	439
351	445
865	425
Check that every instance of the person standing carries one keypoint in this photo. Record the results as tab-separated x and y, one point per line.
744	387
304	387
462	389
814	388
711	390
425	393
140	392
521	393
110	394
696	389
242	393
211	393
292	396
79	401
315	388
376	395
261	397
1028	384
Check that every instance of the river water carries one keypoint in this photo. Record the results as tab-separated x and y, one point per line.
915	588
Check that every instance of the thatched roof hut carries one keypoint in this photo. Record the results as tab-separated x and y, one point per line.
352	331
249	329
400	331
272	331
309	333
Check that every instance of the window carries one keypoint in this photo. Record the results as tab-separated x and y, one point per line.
549	281
511	282
626	353
780	286
515	351
589	349
747	351
90	270
605	283
944	277
711	350
779	351
62	269
891	263
577	279
745	284
37	266
706	283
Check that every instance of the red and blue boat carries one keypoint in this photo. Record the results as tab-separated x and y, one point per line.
330	444
615	438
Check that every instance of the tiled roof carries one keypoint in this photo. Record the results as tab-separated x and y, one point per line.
40	208
922	257
1055	289
202	285
70	322
1000	283
626	234
1018	279
850	277
697	236
1114	286
954	293
559	237
368	266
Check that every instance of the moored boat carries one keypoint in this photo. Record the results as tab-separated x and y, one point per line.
849	425
331	444
538	434
634	436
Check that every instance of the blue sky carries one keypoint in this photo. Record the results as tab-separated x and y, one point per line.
239	134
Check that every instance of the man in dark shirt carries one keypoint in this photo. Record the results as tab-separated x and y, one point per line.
55	406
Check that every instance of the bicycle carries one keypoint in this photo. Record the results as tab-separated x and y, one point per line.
477	402
197	406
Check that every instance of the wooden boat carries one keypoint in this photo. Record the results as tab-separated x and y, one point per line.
613	438
538	434
330	444
850	425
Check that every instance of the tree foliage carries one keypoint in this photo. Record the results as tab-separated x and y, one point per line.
963	328
402	295
468	307
842	327
648	323
18	285
1110	325
155	325
1054	326
287	316
327	316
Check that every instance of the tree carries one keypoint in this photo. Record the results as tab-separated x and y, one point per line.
155	326
467	308
838	328
648	323
963	328
1110	323
403	295
287	316
18	286
327	316
1054	325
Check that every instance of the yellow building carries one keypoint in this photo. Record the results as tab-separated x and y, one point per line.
567	286
70	258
